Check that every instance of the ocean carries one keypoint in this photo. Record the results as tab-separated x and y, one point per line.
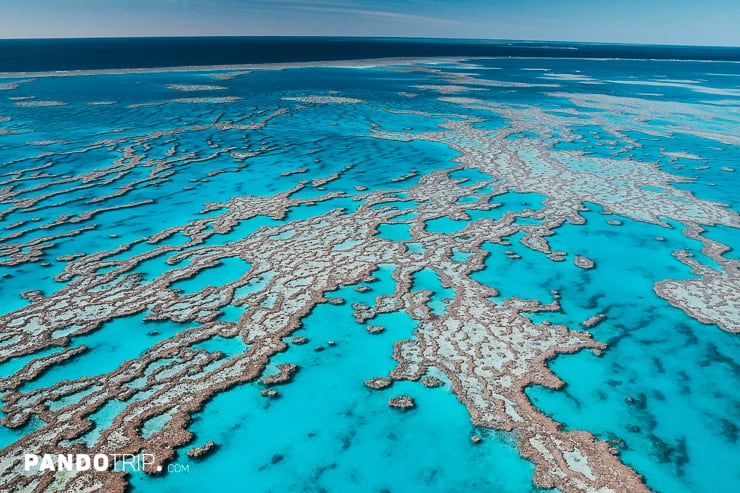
45	55
533	243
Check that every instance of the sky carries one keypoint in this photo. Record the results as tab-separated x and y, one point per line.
692	22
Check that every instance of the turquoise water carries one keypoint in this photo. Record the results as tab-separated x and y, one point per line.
122	339
428	280
229	269
327	431
332	426
650	357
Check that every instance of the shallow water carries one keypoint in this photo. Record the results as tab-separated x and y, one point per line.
662	392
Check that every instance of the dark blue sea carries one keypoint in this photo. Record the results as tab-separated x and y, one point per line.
40	55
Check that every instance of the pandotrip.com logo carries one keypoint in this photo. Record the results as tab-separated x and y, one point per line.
97	462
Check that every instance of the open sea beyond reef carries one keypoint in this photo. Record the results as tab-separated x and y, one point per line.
453	227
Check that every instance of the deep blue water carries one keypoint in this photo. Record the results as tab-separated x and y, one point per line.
41	55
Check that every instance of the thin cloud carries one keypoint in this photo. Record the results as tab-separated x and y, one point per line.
376	13
337	3
351	8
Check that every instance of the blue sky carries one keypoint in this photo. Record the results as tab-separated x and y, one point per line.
710	22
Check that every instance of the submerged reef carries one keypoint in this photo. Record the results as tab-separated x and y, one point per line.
514	176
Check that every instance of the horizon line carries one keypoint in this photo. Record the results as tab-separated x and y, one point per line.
283	36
